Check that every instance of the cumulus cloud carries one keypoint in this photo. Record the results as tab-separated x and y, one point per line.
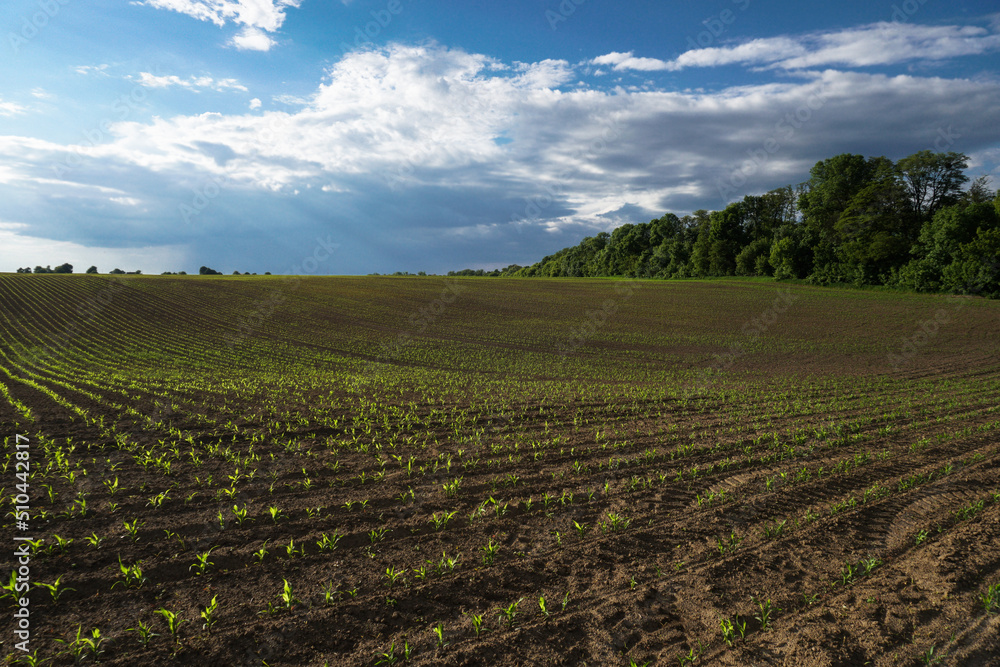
397	149
255	104
882	43
257	17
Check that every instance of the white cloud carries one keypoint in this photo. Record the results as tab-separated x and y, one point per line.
11	108
622	61
875	44
191	83
41	94
255	104
407	136
252	39
257	17
91	69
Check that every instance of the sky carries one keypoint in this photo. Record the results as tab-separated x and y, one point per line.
363	136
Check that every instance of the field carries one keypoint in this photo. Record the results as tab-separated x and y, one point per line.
362	471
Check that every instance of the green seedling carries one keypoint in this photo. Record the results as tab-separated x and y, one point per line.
133	529
173	621
202	563
144	631
477	623
489	552
328	544
510	612
55	589
393	575
439	632
287	596
208	614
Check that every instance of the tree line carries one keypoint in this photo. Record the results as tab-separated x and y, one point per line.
863	221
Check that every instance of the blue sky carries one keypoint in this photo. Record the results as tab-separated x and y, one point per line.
346	137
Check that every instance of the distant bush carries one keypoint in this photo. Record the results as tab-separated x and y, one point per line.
205	271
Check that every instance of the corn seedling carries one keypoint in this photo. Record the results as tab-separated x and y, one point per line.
393	575
440	520
990	598
291	551
477	623
509	612
208	614
241	514
287	596
94	540
439	632
451	488
202	563
328	544
173	621
541	606
765	613
260	553
133	529
276	514
489	552
132	575
55	589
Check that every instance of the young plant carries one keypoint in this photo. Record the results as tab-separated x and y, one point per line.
275	513
393	575
990	598
202	563
260	553
144	631
173	621
133	529
439	631
766	611
55	589
287	596
328	544
489	552
208	614
510	612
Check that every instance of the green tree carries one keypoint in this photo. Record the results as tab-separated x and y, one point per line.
933	180
92	269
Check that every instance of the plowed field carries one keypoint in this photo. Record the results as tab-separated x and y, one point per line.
423	471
